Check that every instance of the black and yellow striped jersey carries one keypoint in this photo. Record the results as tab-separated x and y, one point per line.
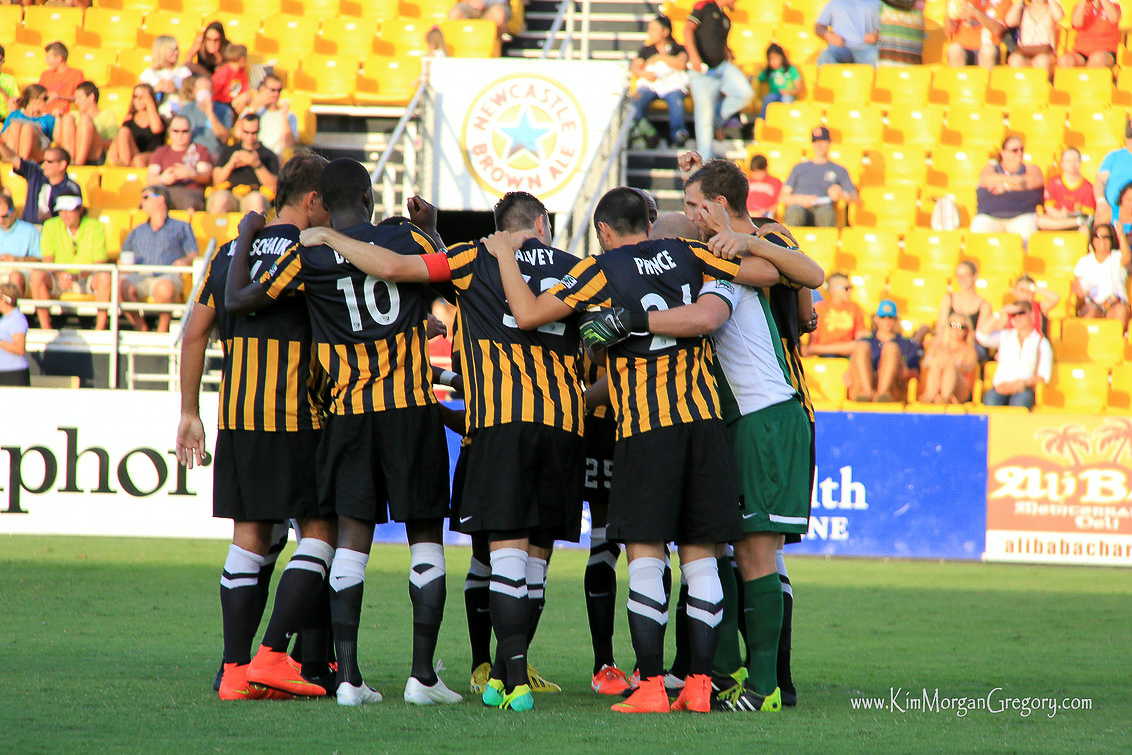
514	375
594	370
784	309
369	333
270	380
654	381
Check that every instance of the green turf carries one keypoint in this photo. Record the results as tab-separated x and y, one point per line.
111	645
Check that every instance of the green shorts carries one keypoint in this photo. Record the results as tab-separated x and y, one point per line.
772	457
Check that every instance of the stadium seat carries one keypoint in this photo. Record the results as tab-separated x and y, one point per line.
1119	390
286	35
972	127
848	156
11	16
220	226
1054	254
474	38
346	37
49	23
1018	87
116	99
861	126
401	37
264	9
959	86
677	13
88	177
131	62
375	9
849	85
763	14
1091	159
327	78
385	81
868	289
995	288
311	8
183	26
116	223
826	382
906	86
25	63
866	249
143	5
820	244
789	122
18	188
956	167
1122	94
111	29
894	166
203	7
94	62
917	296
885	208
1076	387
749	47
120	188
238	26
801	42
1088	88
1039	125
1100	129
913	126
1091	340
780	158
931	252
994	253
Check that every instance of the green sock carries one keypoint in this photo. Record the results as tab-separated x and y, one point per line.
762	599
728	658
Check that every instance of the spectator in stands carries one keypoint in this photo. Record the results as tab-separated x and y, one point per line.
496	11
183	168
206	53
815	186
141	133
72	237
1024	357
841	321
29	129
964	300
161	240
166	75
881	365
1123	220
45	184
974	28
13	339
1114	174
948	370
851	28
208	130
1096	24
231	88
762	189
900	38
782	79
1041	300
1009	193
9	89
660	70
1069	200
87	133
712	74
1100	279
60	80
19	241
1037	33
246	173
278	126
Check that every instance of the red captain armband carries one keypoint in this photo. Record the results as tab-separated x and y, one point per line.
437	266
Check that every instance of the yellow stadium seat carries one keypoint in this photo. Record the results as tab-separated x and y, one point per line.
11	16
994	253
25	63
400	37
790	122
1089	88
1099	129
868	289
825	380
94	62
183	26
1051	254
1044	125
956	167
972	127
885	207
110	29
375	9
749	47
475	38
116	99
917	296
1122	95
868	250
913	126
995	288
766	13
131	63
49	23
780	158
906	86
86	176
862	126
327	78
800	12
142	5
801	42
261	8
848	156
238	26
116	223
931	252
1076	387
820	244
1091	159
120	188
895	166
386	81
17	188
286	35
220	226
1097	341
1120	389
311	8
1018	87
346	37
676	12
844	84
959	86
203	7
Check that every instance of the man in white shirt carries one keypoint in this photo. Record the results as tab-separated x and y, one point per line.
1024	358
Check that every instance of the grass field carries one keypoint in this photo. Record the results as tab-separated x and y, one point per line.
110	645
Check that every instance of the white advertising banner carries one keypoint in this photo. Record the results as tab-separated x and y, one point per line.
504	124
100	462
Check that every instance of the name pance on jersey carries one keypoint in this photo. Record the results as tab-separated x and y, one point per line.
656	265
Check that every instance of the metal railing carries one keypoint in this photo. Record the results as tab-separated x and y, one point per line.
567	17
401	137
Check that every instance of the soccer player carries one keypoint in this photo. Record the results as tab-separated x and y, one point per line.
523	480
264	462
384	441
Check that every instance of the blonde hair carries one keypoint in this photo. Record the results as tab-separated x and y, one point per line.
161	47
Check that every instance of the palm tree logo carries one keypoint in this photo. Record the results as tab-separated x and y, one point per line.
1067	440
1115	432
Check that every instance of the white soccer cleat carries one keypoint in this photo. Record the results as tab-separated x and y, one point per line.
360	694
438	694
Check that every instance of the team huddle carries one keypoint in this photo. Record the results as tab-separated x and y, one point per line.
659	382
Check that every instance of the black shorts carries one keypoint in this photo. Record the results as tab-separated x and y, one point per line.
601	433
675	484
523	476
459	477
397	457
260	476
791	538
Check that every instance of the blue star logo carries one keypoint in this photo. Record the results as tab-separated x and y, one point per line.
524	134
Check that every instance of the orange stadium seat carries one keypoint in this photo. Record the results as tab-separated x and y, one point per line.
972	127
1053	254
49	23
1076	387
1119	390
120	188
913	126
789	122
1018	87
111	29
1039	125
386	81
994	253
906	86
1082	88
1097	128
475	38
895	166
825	380
887	208
845	84
931	252
861	126
917	296
956	167
959	86
327	78
1097	341
869	250
820	244
346	37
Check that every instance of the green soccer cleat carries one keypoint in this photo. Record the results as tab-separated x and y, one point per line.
493	693
519	699
742	698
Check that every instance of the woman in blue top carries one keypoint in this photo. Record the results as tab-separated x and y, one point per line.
13	338
30	129
784	83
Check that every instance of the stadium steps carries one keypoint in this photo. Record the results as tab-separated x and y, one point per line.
617	29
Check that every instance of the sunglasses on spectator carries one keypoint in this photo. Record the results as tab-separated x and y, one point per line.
1105	236
149	195
885	317
958	325
1019	313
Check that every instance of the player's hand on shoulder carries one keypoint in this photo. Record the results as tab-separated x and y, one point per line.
253	222
604	327
728	245
421	213
314	236
779	229
503	243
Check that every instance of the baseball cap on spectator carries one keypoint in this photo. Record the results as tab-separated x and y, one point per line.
819	134
68	201
887	308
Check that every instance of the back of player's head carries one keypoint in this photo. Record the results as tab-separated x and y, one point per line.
300	176
344	183
518	211
623	210
723	178
674	225
650	201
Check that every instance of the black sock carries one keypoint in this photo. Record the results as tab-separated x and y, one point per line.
427	591
510	615
682	662
648	614
536	594
785	681
298	592
312	645
704	612
477	585
601	595
278	543
240	603
347	587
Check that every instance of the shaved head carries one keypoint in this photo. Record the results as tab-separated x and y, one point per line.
674	225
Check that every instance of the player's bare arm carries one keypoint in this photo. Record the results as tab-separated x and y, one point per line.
371	259
241	294
191	448
529	312
597	394
779	260
699	318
